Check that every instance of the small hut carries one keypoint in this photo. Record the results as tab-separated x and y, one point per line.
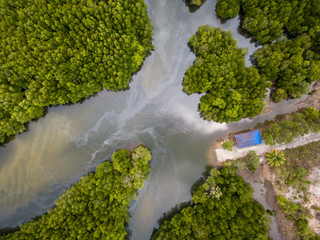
248	139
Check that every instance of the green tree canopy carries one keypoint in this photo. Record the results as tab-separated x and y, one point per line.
268	20
292	63
293	126
223	209
97	206
285	62
60	52
233	91
227	144
227	8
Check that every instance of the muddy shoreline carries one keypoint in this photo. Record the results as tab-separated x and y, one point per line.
266	177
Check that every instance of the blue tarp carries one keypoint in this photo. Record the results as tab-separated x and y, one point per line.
248	139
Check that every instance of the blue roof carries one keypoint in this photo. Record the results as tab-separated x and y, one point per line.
248	139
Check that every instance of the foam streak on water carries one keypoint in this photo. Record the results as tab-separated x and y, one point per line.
71	140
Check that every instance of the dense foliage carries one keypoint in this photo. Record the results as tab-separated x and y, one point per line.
233	91
293	126
292	64
269	20
62	51
285	62
227	8
223	209
97	206
265	20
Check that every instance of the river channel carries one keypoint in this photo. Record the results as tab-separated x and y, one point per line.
70	141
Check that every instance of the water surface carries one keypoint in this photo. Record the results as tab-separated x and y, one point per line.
57	150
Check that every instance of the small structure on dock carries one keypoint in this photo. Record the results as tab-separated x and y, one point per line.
248	139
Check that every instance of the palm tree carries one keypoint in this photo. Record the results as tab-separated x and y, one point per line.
275	158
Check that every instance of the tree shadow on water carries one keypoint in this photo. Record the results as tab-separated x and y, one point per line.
202	179
168	215
193	8
178	207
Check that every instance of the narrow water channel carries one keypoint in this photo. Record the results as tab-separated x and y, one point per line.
69	141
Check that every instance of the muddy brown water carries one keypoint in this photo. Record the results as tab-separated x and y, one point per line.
70	141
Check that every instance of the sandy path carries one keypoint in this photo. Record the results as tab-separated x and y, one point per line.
223	155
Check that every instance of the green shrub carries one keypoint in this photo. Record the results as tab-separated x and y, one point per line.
227	144
299	214
297	177
290	209
296	125
252	161
227	8
306	232
275	158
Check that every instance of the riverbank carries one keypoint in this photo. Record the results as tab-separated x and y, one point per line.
101	196
264	193
265	182
269	183
223	155
301	154
284	227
